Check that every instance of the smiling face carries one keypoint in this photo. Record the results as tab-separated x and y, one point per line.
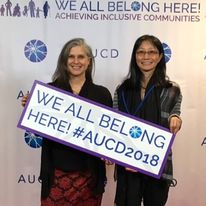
77	62
147	57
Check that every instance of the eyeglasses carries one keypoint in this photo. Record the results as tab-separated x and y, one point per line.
142	53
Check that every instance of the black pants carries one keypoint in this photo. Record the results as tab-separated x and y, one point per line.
133	188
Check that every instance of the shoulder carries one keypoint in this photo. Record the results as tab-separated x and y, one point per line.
101	94
173	87
174	84
171	92
122	86
100	89
52	84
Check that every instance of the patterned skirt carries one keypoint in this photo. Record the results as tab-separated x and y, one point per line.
72	189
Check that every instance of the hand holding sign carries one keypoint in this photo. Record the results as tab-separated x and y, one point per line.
24	99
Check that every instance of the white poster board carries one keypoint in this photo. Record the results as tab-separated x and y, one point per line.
96	129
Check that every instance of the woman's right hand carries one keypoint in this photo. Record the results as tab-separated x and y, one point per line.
24	99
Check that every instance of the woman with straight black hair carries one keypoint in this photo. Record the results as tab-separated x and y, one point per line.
147	93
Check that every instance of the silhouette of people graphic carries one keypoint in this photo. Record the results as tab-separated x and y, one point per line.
46	8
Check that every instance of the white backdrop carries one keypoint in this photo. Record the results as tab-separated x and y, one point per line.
111	28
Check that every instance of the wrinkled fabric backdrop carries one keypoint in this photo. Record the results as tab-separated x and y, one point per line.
31	38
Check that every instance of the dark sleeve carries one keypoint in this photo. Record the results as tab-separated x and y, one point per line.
176	109
46	170
105	96
102	96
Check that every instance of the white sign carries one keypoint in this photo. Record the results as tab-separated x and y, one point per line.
96	129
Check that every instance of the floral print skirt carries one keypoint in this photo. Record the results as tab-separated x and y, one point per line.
72	189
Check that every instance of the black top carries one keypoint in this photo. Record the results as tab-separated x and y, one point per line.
157	105
56	155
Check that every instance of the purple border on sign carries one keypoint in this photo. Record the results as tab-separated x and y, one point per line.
19	125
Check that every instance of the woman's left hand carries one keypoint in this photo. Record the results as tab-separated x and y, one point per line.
175	124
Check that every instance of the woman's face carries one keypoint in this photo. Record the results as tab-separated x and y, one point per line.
77	62
147	57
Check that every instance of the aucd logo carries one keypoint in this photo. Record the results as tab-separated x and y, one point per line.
33	140
35	51
135	6
135	132
167	52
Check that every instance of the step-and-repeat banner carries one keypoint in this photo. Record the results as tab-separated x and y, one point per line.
31	38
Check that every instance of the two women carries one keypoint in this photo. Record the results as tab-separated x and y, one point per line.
70	177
